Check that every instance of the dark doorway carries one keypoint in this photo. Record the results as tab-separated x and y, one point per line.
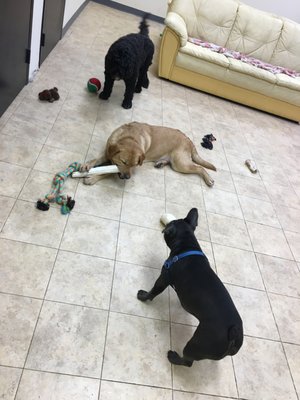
15	26
53	16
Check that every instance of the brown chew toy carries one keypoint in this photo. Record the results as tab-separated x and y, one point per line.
49	95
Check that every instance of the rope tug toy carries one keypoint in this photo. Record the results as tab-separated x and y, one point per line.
66	202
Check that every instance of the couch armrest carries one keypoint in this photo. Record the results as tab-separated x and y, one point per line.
176	23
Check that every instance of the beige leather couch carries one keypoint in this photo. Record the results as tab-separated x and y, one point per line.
238	27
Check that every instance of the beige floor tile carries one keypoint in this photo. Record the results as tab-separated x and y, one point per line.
9	380
53	160
195	396
283	195
90	235
29	128
220	202
293	355
81	280
289	218
99	200
262	212
251	187
147	181
294	243
20	272
17	322
37	385
128	279
146	342
123	391
141	246
75	340
262	372
223	180
6	205
142	210
12	179
69	137
255	311
238	267
269	240
280	276
228	231
28	224
287	314
19	151
181	192
217	377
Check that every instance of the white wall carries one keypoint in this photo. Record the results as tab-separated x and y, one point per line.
37	17
155	7
70	9
287	8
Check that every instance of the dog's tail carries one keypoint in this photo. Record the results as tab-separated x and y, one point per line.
198	160
144	26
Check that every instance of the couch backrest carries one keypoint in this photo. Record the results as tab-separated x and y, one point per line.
237	26
255	33
287	51
210	20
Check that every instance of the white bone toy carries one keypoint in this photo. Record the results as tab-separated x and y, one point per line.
105	169
166	218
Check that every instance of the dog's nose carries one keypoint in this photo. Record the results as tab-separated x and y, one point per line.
124	176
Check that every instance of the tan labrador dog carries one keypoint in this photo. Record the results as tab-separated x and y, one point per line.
132	144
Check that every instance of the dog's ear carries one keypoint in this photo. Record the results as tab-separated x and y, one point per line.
170	230
192	218
112	150
141	158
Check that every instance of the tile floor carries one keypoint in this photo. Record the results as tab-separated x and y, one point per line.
71	327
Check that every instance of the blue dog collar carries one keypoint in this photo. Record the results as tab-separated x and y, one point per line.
169	262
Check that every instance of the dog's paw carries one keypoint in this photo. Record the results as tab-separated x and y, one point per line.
127	104
103	96
90	180
138	89
174	357
142	295
145	83
85	167
210	182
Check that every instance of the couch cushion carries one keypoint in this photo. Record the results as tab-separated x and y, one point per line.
288	82
204	54
247	69
200	66
287	51
255	33
210	20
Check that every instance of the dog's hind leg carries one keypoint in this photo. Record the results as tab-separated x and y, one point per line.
108	86
183	163
160	285
129	92
143	80
198	160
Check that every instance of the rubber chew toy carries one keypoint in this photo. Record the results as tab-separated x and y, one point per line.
105	169
165	219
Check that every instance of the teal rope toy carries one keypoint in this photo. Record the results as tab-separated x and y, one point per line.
55	195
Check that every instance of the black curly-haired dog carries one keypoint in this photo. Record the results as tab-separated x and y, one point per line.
129	59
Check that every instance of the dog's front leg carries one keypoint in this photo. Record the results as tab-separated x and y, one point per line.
160	285
129	91
108	86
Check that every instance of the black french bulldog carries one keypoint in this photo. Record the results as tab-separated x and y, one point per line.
201	293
